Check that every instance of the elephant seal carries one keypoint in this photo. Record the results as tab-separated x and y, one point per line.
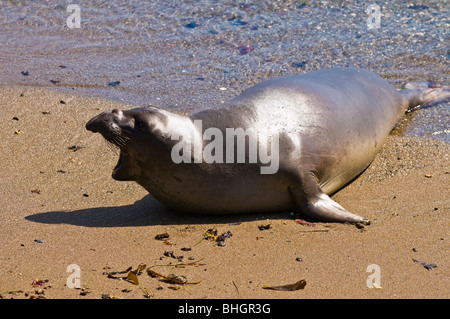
328	125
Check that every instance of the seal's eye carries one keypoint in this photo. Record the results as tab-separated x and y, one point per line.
139	124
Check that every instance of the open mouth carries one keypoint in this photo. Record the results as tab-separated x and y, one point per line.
121	171
119	164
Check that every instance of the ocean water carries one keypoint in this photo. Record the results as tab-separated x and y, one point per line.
190	55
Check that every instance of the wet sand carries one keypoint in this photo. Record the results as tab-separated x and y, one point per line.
61	207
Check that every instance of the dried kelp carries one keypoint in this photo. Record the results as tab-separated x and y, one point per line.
264	227
211	234
171	279
291	287
162	236
425	265
131	274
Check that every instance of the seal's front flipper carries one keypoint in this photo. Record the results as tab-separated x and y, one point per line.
312	201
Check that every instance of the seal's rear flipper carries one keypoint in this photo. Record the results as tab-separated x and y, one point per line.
420	93
315	203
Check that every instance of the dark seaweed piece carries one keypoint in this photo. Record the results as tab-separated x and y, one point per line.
428	266
169	254
162	236
425	265
224	236
39	283
115	83
292	287
263	227
221	238
171	279
210	234
131	274
245	49
239	22
298	64
113	273
191	25
418	7
74	148
84	292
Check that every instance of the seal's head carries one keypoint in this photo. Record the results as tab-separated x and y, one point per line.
135	132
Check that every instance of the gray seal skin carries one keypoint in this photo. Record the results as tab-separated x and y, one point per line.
330	126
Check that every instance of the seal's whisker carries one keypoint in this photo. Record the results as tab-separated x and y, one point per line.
124	138
117	140
112	146
126	131
120	141
117	143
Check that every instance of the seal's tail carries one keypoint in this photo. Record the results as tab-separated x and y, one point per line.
421	93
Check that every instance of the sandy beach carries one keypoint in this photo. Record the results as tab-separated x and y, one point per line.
60	207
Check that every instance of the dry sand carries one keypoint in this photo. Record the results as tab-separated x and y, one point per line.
59	206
